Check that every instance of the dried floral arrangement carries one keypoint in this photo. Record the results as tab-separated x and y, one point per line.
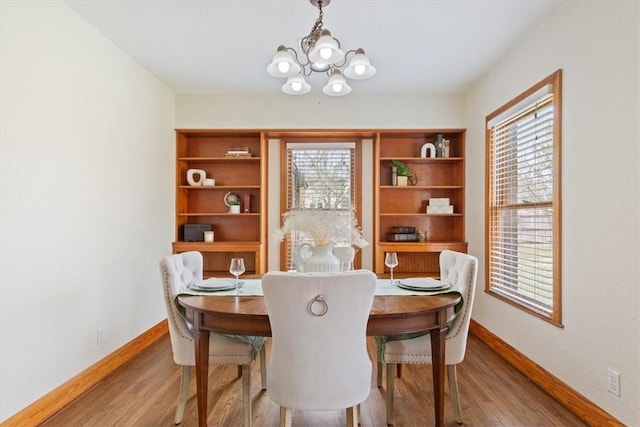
323	226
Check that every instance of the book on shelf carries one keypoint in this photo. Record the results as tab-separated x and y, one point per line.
238	152
402	237
247	203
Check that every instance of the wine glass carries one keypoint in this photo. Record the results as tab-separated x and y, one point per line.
237	268
391	260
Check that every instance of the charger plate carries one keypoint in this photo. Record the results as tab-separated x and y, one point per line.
423	284
214	285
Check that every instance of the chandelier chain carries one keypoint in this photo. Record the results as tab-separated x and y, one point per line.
309	41
318	25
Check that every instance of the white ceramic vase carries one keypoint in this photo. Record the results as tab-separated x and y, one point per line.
195	177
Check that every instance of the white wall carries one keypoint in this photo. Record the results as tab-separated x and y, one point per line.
597	46
86	198
318	111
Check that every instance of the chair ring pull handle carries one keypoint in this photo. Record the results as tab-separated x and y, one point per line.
320	310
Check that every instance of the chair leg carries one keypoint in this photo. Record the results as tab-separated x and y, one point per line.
399	370
379	373
263	367
359	414
453	392
184	392
239	371
286	418
246	394
390	378
352	416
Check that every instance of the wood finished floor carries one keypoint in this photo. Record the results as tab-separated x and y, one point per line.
144	391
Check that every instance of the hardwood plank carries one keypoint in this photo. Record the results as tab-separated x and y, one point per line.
560	391
76	386
143	392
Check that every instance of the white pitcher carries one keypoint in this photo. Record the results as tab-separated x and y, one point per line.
345	254
320	259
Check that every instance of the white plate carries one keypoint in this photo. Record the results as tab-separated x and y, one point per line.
199	289
214	284
425	283
417	288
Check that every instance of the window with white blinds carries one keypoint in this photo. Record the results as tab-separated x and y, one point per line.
319	176
523	204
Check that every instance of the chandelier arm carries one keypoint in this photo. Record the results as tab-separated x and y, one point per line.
304	66
330	70
295	54
306	44
346	57
305	70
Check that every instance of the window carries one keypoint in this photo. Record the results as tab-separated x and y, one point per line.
319	175
523	203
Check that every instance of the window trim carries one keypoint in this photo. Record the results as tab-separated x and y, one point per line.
554	81
357	173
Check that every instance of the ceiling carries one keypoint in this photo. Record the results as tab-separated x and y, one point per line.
215	46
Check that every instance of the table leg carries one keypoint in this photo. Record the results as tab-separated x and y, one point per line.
202	373
438	366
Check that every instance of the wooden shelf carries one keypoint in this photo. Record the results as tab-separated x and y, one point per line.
398	206
217	187
401	214
217	246
210	159
420	187
414	159
236	235
220	214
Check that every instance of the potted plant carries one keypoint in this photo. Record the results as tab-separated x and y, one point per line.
233	201
234	206
403	171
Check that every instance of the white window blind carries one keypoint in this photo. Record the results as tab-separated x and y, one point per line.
319	176
522	235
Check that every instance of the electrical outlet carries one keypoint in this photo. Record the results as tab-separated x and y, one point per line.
100	336
613	382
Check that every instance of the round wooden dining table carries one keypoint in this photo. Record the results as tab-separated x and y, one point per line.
390	315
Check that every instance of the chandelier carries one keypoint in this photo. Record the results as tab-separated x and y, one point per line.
320	53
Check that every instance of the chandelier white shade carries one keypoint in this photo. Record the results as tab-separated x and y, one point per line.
326	50
283	65
296	85
337	85
320	52
359	67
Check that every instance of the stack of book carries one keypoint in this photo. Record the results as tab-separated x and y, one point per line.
238	152
402	234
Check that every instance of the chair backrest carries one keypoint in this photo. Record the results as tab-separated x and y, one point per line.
319	361
461	270
179	271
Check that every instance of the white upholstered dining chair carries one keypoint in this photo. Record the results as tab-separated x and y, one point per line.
319	359
178	271
460	270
